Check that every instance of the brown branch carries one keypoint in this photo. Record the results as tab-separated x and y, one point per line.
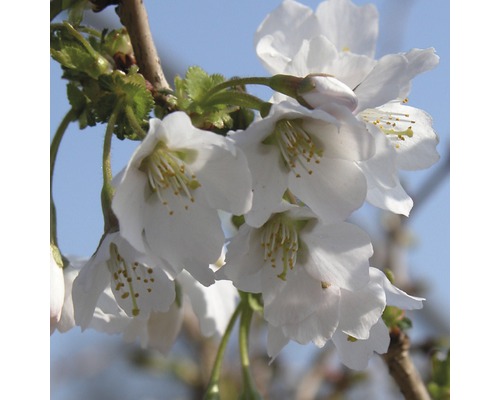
134	17
403	370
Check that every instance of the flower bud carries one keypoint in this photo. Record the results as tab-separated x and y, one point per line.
56	287
324	91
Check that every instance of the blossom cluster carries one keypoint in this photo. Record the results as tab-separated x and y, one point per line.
335	139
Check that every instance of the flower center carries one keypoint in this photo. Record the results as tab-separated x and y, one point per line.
397	126
167	174
296	145
280	240
130	281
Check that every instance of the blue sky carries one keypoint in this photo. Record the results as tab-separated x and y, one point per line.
219	38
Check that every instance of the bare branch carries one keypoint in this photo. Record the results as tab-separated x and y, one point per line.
403	370
134	17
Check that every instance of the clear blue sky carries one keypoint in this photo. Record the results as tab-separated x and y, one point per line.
219	38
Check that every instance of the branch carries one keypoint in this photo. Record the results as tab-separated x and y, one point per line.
403	370
134	17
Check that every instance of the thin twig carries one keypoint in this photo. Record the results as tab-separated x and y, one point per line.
134	17
403	370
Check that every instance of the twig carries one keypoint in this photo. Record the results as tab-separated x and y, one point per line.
134	17
403	370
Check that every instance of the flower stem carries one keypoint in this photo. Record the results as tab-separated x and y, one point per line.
107	174
254	80
213	385
54	148
249	391
134	123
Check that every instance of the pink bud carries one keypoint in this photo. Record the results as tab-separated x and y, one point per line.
327	93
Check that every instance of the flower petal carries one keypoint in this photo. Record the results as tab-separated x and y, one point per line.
213	305
281	33
333	191
349	27
338	254
357	354
383	83
361	309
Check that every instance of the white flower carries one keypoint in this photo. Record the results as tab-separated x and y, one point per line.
303	269
212	305
138	281
310	153
331	43
360	330
343	23
169	194
356	353
56	289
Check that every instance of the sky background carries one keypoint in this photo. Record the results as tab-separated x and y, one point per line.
219	38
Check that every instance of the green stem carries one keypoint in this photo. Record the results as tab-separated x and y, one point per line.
54	148
134	123
77	35
213	385
254	80
107	174
249	391
236	98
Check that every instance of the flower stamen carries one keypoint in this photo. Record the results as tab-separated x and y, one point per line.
280	237
130	280
167	173
397	126
296	146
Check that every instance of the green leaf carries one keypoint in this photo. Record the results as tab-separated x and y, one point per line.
81	105
439	384
189	96
75	52
131	90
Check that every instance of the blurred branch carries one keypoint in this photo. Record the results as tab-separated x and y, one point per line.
432	183
403	370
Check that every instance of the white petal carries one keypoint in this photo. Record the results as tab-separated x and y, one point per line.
395	297
318	327
419	61
348	26
333	191
281	33
163	328
356	355
394	199
292	300
361	309
110	318
226	180
188	234
128	206
244	260
67	320
338	254
269	177
383	83
276	340
56	292
418	151
88	286
213	305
